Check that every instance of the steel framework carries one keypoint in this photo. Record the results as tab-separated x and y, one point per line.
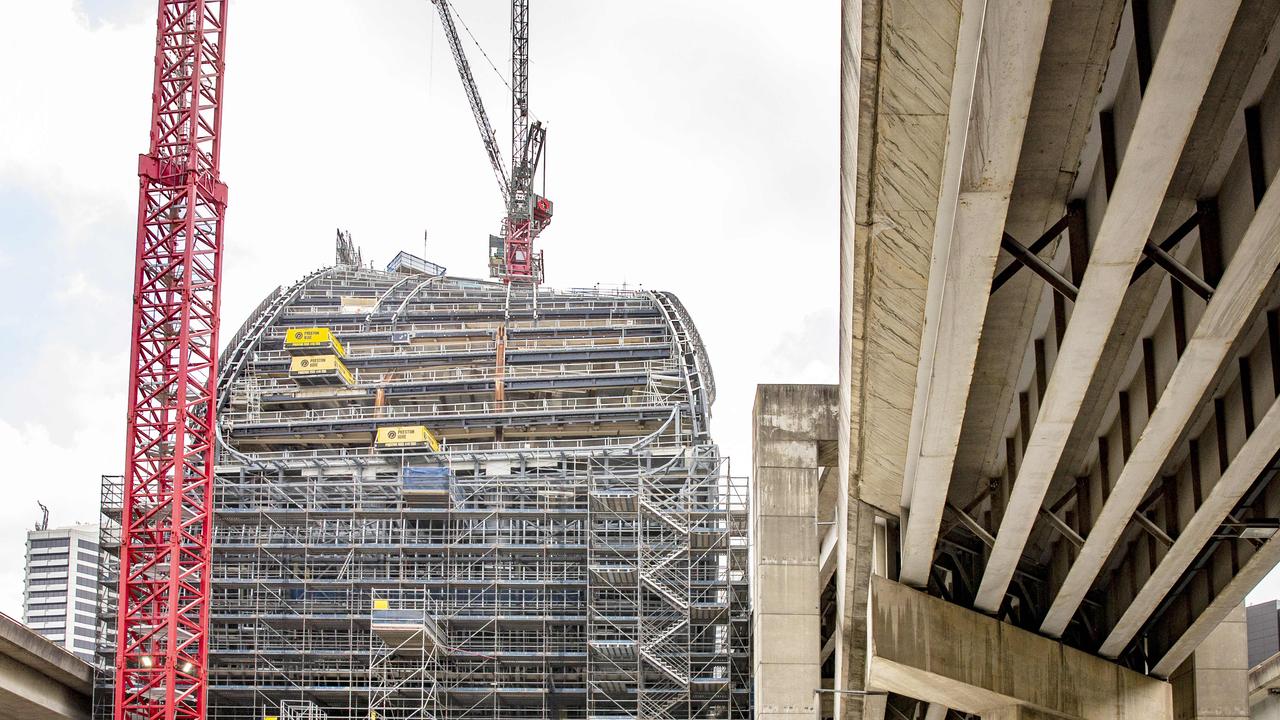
160	664
527	212
577	548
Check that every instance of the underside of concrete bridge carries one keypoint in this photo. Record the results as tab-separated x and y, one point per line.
40	680
1054	442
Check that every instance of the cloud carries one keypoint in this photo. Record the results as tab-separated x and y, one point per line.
692	147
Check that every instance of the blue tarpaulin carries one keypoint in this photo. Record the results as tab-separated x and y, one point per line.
427	479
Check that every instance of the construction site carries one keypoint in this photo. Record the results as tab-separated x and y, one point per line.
1043	487
392	541
396	494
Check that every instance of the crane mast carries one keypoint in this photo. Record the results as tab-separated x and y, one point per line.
511	255
166	531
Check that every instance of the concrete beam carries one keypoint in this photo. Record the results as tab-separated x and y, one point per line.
39	680
1226	316
1264	678
932	650
1252	458
1177	85
1005	63
1227	600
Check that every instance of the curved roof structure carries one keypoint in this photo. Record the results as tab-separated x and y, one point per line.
447	498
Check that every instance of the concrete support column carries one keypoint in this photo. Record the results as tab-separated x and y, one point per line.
789	421
1213	684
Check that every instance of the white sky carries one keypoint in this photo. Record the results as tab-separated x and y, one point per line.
691	147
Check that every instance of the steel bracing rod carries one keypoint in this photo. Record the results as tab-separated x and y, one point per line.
487	135
972	525
1168	245
1177	270
163	616
1012	269
1062	527
1025	256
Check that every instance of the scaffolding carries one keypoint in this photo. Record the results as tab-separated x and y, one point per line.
577	548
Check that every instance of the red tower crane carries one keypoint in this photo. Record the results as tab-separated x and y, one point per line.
163	615
511	256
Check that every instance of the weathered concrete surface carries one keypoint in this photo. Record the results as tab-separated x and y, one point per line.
39	680
1213	683
789	423
1018	712
1004	55
897	64
927	648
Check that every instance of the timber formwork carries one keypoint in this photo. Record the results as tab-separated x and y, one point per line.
576	549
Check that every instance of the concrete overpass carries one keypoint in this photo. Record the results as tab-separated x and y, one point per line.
39	680
1054	440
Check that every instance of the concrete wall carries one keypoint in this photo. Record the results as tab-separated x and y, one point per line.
929	649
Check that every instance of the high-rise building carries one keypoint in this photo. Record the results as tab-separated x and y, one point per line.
61	590
448	498
1264	630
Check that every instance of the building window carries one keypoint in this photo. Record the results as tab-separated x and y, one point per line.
50	542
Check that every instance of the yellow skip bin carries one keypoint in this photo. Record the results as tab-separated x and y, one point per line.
313	340
320	370
407	436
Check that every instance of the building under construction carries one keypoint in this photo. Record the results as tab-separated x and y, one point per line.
448	498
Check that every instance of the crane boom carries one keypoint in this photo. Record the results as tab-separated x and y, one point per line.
166	528
487	135
511	254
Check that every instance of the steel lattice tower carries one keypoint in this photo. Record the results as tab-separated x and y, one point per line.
160	661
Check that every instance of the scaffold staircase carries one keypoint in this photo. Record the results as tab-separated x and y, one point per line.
664	573
404	659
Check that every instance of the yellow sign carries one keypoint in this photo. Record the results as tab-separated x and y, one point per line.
305	365
313	339
381	605
407	436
